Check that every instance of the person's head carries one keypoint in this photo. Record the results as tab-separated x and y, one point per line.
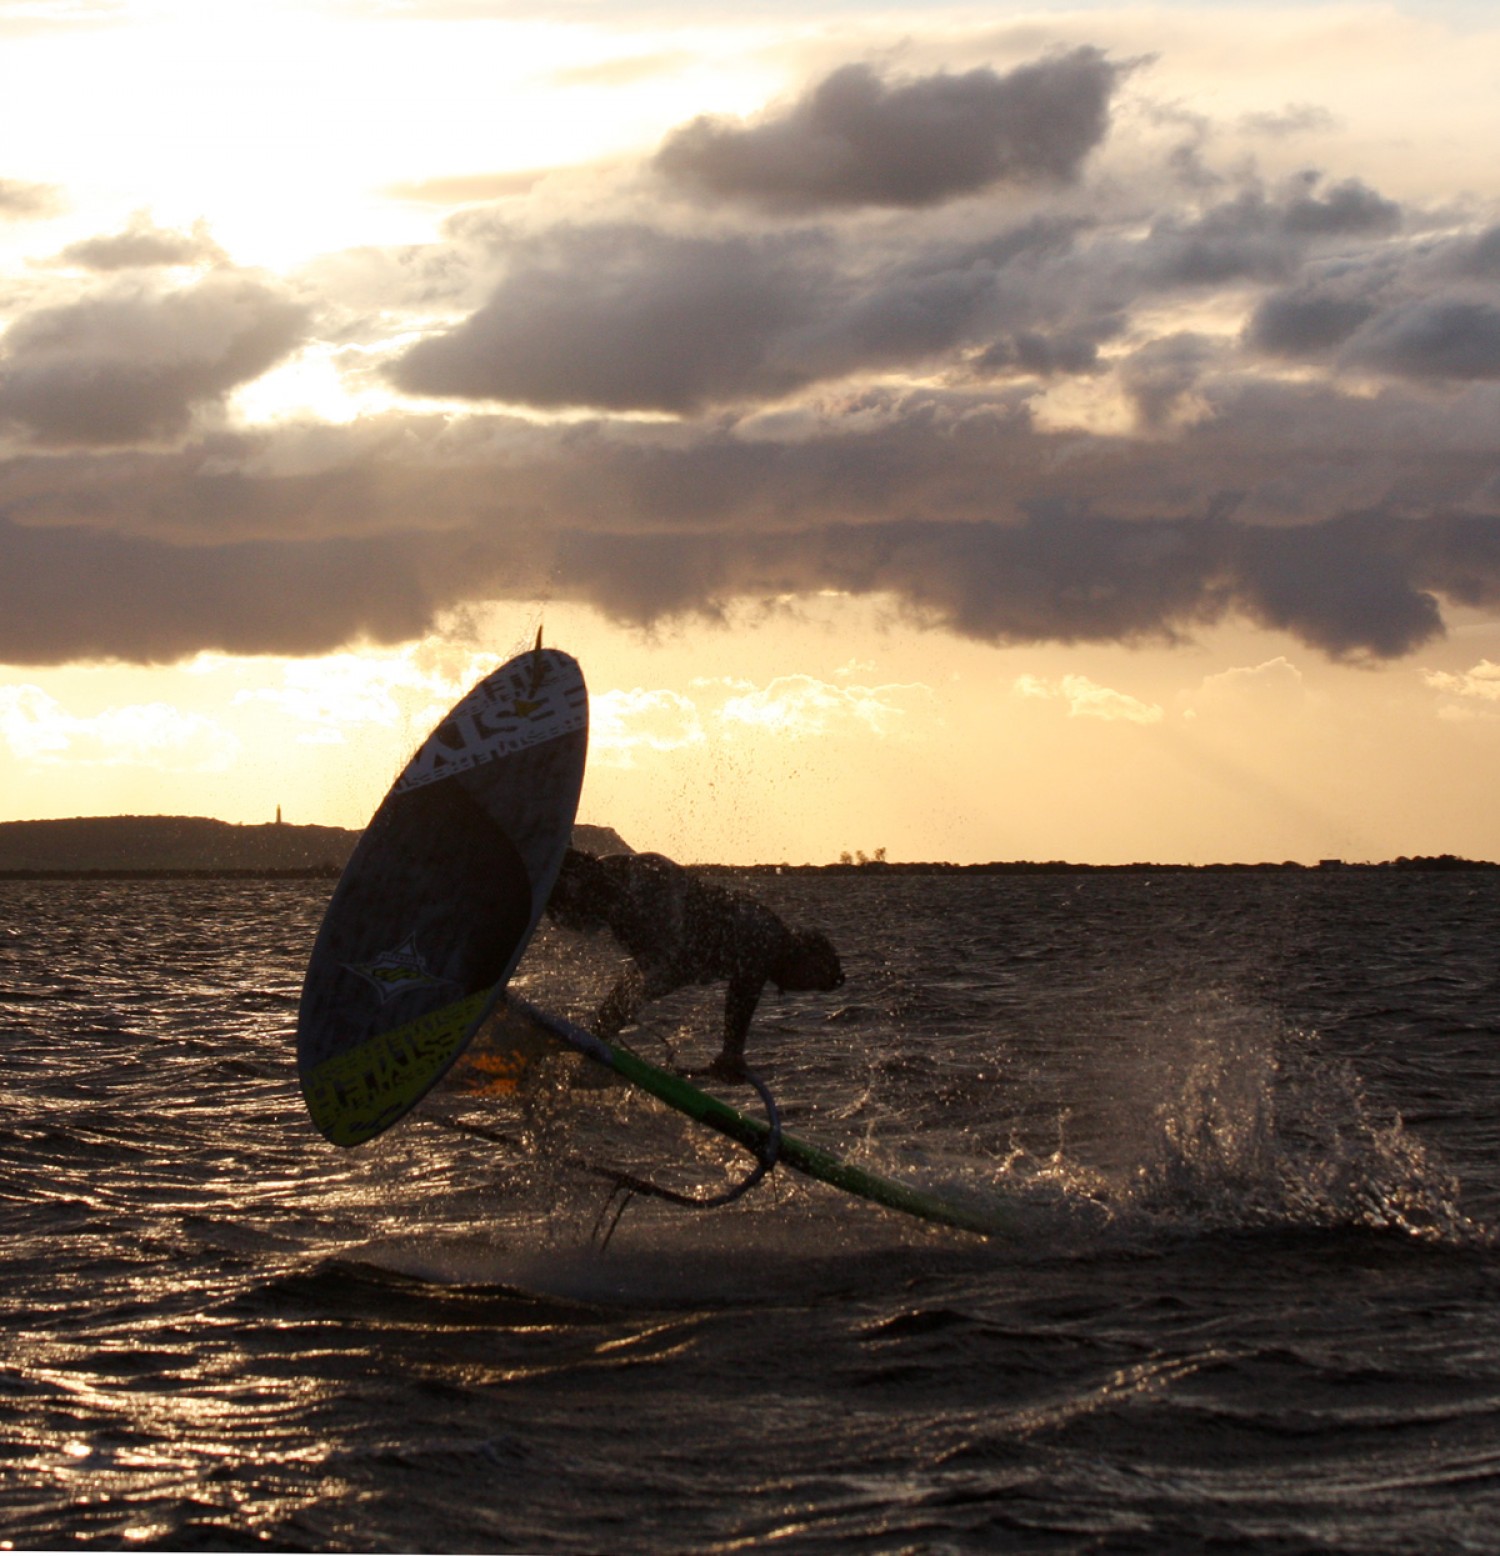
809	962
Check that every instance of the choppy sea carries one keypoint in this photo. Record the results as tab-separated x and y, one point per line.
1244	1130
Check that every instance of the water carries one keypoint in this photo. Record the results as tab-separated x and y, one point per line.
1245	1128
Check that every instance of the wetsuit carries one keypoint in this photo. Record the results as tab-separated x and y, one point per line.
679	930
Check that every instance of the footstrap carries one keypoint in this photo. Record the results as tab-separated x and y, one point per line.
627	1184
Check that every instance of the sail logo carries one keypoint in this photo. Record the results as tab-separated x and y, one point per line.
401	971
510	714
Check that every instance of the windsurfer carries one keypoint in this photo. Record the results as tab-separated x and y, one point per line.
680	930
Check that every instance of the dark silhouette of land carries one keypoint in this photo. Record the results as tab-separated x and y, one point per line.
139	846
1064	867
146	846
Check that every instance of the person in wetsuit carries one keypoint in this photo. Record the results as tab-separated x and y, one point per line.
679	930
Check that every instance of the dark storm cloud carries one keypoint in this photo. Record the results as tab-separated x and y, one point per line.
1306	321
1357	587
1256	237
22	201
943	301
1425	311
1433	337
142	244
857	139
291	542
1052	576
89	594
130	366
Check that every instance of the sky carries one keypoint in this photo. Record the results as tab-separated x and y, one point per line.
1007	432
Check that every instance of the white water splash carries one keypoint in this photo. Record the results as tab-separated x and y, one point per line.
1262	1129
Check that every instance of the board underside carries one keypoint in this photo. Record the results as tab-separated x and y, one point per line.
441	896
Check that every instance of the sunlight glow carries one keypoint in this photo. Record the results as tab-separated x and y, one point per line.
806	551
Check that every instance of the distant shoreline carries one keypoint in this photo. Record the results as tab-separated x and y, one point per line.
1429	864
193	848
174	848
1439	862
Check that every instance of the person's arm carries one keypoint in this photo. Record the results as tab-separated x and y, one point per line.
740	1000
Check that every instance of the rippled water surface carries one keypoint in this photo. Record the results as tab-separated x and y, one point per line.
1244	1129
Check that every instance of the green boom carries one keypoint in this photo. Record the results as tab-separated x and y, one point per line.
752	1133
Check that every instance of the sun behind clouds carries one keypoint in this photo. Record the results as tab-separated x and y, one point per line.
1120	385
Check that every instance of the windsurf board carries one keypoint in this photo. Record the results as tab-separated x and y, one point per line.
523	1021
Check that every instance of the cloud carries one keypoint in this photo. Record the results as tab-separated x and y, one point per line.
23	201
1420	312
1432	337
625	724
1274	686
19	18
1253	236
1088	699
1065	415
1307	321
802	707
1478	256
303	540
1293	119
142	244
630	318
1360	587
342	689
132	365
1350	208
1159	377
1472	693
624	71
858	139
82	594
37	728
467	188
1357	587
637	315
622	724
